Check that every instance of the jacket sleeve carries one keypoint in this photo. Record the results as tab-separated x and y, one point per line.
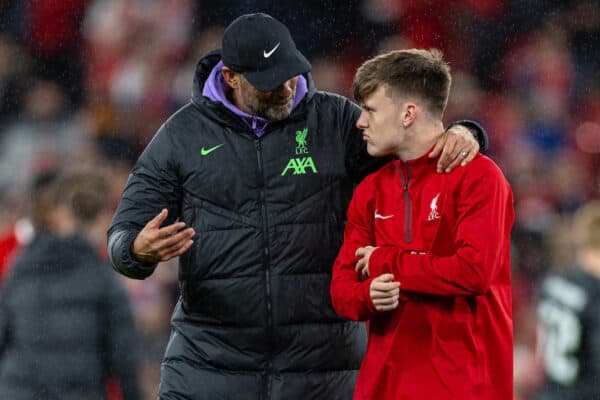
153	184
484	219
121	340
477	130
350	296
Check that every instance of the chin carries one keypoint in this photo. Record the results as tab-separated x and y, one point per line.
373	152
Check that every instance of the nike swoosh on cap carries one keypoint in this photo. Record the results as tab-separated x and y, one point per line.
204	151
268	54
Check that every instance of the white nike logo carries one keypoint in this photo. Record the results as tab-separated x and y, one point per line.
268	54
379	216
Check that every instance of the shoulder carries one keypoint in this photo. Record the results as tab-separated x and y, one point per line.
481	170
180	121
175	134
334	101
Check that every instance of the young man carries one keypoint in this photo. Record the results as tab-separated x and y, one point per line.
569	318
425	257
255	173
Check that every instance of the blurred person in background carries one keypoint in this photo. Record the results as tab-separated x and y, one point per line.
569	319
66	327
425	257
257	172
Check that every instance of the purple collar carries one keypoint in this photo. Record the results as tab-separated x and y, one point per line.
216	89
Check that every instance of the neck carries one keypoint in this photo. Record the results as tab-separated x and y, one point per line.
419	139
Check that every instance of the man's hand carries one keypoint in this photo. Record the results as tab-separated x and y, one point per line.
457	146
154	244
385	292
362	265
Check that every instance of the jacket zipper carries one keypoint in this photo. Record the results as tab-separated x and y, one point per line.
266	261
407	202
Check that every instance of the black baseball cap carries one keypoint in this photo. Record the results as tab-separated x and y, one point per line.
262	49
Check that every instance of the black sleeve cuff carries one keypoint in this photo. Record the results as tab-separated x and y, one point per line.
477	130
119	253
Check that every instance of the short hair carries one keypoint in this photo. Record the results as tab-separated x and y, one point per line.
419	72
85	194
587	226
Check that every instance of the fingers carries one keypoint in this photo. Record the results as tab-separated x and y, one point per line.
178	250
165	244
154	245
384	278
159	219
362	251
170	230
439	145
385	293
384	288
385	301
360	265
449	153
471	153
456	160
459	148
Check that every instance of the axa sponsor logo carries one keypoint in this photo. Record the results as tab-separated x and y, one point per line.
301	165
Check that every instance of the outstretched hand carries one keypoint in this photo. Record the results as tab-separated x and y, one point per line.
456	146
154	244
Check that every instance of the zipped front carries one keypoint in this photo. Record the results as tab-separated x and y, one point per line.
407	202
266	263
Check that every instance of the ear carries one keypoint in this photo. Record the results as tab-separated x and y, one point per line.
409	114
231	77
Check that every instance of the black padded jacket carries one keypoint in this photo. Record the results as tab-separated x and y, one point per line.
65	325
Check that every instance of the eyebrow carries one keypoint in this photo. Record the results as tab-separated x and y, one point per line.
367	108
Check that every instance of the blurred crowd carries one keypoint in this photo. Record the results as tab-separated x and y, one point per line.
86	83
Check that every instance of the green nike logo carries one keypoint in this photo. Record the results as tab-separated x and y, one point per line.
204	151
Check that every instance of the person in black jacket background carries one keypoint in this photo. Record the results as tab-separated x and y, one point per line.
249	184
568	318
65	322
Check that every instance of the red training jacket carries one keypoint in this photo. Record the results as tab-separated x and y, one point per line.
446	239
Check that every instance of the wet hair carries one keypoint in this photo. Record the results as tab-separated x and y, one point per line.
415	72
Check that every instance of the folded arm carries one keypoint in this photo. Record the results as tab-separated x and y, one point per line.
484	221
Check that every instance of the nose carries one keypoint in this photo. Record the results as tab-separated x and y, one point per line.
362	122
287	88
